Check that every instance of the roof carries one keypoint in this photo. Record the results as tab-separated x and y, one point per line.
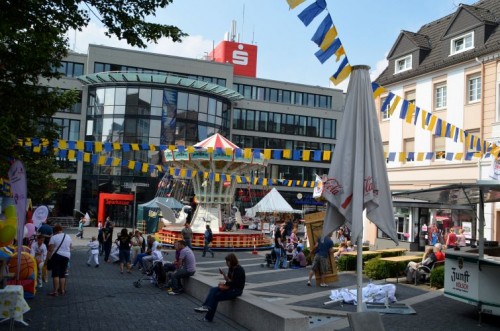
457	194
216	141
166	80
486	11
272	202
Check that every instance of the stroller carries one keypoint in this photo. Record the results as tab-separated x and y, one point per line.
155	274
271	259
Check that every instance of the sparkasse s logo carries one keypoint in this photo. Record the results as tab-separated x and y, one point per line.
240	57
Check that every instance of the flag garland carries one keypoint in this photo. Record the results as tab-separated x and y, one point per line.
326	37
430	122
84	154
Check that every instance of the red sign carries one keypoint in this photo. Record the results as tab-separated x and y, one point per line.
242	56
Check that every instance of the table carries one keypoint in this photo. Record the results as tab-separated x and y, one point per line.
393	250
355	253
12	305
402	258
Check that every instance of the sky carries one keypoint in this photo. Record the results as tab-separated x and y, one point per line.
367	29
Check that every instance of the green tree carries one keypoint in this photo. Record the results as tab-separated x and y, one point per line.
33	43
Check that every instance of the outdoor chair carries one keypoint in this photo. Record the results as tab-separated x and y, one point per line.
424	273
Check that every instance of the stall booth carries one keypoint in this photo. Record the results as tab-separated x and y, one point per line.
472	272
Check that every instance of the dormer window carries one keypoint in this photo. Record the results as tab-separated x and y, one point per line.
403	64
462	43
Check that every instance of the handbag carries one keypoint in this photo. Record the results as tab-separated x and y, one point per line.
50	262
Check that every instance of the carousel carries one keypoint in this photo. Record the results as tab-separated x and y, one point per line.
213	166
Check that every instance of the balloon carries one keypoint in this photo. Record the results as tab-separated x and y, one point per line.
31	229
10	212
7	234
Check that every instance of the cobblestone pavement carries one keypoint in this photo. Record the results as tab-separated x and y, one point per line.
103	299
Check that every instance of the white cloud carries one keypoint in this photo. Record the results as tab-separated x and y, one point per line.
191	46
379	68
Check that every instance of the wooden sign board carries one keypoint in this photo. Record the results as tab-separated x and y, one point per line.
314	228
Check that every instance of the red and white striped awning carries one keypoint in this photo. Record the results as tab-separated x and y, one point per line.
216	141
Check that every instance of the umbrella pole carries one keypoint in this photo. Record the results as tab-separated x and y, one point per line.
359	272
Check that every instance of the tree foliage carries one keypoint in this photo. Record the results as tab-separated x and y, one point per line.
33	43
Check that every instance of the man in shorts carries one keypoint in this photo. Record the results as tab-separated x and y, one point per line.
323	248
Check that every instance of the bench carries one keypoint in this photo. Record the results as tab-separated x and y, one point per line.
244	309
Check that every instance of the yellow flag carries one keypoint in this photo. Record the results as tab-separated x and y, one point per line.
116	162
329	38
327	155
286	153
294	3
459	156
402	157
267	154
423	118
117	146
145	167
394	104
306	154
86	157
71	155
62	144
79	145
229	151
339	53
217	177
432	124
420	156
102	160
98	146
342	75
410	112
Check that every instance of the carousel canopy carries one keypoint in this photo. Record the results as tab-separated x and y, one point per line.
272	202
216	141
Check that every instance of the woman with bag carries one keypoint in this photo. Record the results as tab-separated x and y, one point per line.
58	257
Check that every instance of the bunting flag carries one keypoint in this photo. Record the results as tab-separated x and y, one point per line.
294	3
321	31
324	55
310	13
342	72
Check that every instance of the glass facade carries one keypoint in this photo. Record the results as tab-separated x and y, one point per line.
141	114
284	96
263	121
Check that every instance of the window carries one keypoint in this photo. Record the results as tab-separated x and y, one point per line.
409	145
474	89
440	148
440	96
385	112
462	43
403	64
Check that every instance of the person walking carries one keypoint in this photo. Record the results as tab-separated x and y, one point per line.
208	236
123	242
187	235
60	246
232	287
108	238
323	248
93	246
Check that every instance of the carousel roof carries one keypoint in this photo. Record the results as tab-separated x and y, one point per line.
216	141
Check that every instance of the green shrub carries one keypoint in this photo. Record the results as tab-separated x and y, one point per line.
376	269
437	276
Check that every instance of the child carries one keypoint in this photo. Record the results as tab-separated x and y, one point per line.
80	228
94	252
157	257
39	251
